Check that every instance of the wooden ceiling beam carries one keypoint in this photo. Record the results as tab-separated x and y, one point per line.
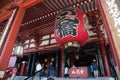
90	6
44	49
42	10
69	1
65	2
87	6
94	4
46	3
43	21
29	3
37	28
46	7
59	3
53	4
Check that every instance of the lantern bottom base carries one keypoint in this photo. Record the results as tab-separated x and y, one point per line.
72	46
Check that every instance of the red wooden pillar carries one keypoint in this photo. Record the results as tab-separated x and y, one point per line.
72	59
112	45
8	46
22	69
62	62
104	54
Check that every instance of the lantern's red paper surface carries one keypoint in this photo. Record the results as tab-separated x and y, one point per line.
70	26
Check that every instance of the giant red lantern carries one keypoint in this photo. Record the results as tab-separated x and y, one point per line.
70	26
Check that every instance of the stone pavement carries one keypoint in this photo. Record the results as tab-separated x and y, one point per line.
45	78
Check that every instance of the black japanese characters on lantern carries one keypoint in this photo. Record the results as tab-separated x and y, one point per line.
67	23
70	27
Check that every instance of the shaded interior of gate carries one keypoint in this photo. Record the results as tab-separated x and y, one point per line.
39	43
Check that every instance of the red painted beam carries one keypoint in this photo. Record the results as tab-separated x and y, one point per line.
7	49
29	3
5	16
43	49
62	62
38	28
104	55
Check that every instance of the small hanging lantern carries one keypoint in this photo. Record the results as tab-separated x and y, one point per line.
18	51
70	28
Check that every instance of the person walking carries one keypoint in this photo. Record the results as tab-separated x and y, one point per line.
95	68
51	69
14	71
38	68
66	72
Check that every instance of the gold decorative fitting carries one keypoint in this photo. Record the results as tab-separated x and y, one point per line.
73	44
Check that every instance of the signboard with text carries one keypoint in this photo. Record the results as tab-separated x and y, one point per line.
79	72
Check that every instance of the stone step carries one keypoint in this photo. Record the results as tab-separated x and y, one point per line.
55	78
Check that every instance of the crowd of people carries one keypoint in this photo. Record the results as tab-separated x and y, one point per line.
48	70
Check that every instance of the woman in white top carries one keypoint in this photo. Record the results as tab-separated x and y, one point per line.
38	68
66	72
